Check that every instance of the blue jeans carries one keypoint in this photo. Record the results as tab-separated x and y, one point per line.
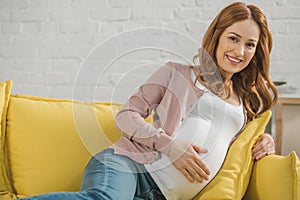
113	177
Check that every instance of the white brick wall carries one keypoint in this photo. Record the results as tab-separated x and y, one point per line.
87	49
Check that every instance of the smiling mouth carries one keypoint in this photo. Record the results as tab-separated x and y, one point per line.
233	59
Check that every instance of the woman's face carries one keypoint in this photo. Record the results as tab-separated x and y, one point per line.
237	46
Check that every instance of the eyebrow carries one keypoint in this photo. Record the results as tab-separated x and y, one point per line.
241	36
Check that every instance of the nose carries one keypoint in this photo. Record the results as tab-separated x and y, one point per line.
239	50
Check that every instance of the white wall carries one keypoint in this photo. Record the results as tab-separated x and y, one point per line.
102	49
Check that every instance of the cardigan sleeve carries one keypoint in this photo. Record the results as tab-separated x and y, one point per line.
131	119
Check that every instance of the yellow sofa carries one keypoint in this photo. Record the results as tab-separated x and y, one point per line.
45	144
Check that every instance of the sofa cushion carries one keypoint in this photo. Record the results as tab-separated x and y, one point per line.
275	178
232	180
5	183
51	140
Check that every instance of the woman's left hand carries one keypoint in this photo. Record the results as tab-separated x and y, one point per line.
264	146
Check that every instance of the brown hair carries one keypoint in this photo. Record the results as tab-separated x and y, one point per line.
253	83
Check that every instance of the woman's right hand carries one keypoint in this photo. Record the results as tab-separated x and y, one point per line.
185	158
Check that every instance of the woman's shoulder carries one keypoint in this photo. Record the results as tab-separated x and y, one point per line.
179	67
176	65
172	71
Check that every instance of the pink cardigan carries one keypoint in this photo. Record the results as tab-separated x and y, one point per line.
170	91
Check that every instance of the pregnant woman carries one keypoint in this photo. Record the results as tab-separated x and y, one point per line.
197	112
211	125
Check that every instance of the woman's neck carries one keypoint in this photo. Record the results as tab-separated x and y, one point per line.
226	75
233	98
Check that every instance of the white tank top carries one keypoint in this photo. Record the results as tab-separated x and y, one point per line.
212	124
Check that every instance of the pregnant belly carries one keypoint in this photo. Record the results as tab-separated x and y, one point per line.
171	181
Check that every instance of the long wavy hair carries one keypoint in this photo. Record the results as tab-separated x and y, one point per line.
253	84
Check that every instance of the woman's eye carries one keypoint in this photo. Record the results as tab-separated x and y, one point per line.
233	39
251	45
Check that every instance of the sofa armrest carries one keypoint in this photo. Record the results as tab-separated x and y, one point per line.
275	177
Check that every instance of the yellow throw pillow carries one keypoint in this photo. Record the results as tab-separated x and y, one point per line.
51	140
232	180
275	178
5	183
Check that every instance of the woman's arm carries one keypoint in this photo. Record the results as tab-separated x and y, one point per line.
131	119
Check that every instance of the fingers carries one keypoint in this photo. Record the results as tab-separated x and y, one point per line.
271	151
194	172
199	149
185	157
199	166
264	146
202	169
193	168
191	174
187	174
259	155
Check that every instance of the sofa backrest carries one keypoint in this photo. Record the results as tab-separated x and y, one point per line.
49	141
5	183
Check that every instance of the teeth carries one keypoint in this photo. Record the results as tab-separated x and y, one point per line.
233	59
